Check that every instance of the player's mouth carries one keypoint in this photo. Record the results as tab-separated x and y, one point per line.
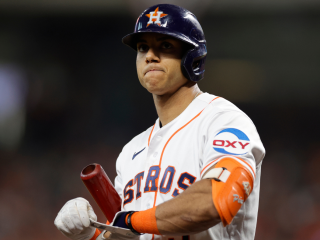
153	69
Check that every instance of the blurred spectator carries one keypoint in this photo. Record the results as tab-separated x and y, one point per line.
13	90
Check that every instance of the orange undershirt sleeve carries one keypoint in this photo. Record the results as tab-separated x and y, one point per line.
145	221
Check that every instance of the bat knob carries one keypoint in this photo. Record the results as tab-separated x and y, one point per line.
90	171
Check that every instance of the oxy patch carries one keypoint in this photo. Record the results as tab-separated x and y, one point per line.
231	141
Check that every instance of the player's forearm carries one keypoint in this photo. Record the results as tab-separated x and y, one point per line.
190	212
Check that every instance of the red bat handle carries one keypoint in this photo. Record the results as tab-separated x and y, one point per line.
101	189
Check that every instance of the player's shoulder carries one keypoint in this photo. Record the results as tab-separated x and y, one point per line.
219	105
220	112
223	117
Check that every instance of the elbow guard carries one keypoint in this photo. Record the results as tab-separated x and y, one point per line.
232	184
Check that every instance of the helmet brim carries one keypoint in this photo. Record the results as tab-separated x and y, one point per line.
131	39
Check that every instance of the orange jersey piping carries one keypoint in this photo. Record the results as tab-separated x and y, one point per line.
150	134
155	197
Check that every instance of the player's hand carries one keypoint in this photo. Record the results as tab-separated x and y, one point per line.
73	219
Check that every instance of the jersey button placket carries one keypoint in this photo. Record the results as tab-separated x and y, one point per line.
156	153
155	160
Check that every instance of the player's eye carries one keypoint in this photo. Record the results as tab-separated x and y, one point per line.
142	47
166	45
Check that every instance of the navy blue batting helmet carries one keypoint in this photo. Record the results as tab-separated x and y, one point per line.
179	23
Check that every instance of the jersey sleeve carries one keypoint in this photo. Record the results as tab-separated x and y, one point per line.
118	180
232	134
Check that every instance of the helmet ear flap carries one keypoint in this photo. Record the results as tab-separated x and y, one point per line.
193	62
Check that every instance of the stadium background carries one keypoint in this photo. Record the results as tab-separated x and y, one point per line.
69	96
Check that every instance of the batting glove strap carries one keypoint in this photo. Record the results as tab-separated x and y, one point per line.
129	223
123	220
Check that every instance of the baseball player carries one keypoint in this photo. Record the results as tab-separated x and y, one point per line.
194	174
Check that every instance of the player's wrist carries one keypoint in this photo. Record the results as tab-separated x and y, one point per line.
124	221
128	221
138	222
145	221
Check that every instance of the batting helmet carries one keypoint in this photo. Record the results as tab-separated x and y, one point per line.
179	23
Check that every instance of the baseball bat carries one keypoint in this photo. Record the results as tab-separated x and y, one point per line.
101	189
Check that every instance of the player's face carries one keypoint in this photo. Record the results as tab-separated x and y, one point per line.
159	63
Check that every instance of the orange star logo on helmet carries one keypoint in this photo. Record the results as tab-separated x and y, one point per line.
154	17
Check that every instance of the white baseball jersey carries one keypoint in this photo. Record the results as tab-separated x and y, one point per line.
160	163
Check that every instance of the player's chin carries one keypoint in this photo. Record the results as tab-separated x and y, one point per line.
154	85
155	89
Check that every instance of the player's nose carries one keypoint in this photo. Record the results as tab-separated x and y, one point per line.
152	56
